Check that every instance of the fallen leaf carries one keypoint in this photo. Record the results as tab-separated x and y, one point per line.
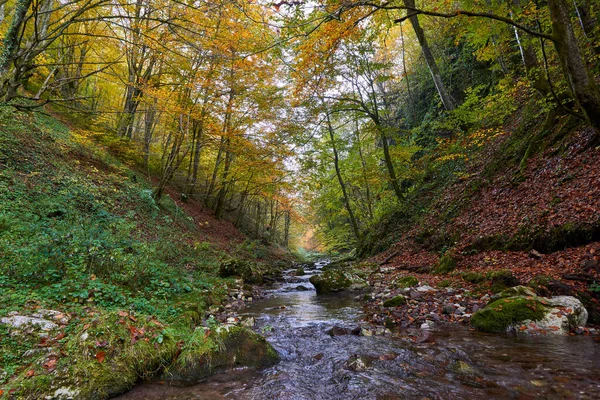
50	365
100	356
30	373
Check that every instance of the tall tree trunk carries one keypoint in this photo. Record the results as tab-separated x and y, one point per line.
224	181
338	173
447	100
364	173
286	229
582	85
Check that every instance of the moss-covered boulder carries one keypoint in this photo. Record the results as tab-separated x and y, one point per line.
250	272
98	360
406	282
395	301
514	291
337	280
531	315
228	347
504	314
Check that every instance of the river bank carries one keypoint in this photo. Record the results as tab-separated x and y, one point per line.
329	351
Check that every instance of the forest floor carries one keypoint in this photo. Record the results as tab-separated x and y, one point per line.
538	227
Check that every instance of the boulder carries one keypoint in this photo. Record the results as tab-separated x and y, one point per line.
248	271
336	281
531	315
514	291
395	301
237	347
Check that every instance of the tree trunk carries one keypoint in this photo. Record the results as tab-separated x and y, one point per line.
447	100
582	85
341	181
364	173
224	182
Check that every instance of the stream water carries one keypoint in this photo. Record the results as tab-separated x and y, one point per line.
459	364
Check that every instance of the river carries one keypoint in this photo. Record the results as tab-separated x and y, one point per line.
457	363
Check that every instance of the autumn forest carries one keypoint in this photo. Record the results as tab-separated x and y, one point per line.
390	176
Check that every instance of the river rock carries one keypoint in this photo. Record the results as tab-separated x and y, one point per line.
531	315
239	347
514	291
337	280
341	331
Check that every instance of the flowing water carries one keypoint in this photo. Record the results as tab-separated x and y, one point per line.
459	364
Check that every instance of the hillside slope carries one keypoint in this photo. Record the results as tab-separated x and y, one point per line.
526	211
81	236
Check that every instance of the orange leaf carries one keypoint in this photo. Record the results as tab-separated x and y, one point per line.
30	373
100	356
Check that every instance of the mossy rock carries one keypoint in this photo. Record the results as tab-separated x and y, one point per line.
445	265
522	291
300	271
395	301
250	272
337	280
501	315
229	347
103	359
406	282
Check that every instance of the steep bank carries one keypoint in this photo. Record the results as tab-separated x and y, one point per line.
99	283
525	210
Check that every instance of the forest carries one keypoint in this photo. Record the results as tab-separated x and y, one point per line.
318	199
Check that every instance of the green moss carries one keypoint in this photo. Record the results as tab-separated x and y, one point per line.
444	283
502	279
406	282
501	314
473	277
395	301
223	348
445	265
300	271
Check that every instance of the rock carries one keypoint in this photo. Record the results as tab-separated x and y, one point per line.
20	321
240	347
65	394
425	288
358	363
337	280
448	309
406	282
341	331
564	314
300	271
366	332
514	291
302	288
531	315
395	301
460	310
425	337
248	322
428	325
248	271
